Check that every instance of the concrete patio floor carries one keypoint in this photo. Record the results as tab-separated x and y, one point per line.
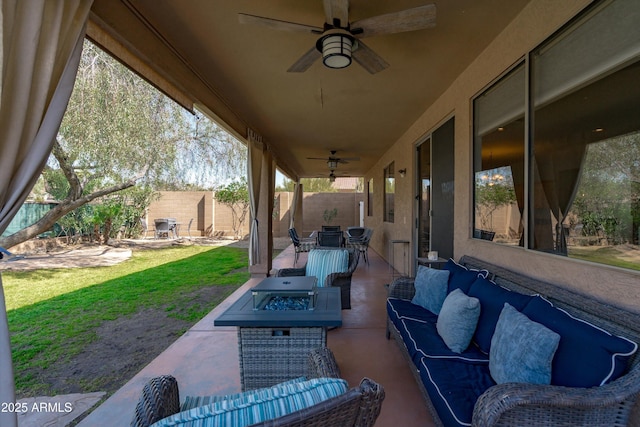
205	359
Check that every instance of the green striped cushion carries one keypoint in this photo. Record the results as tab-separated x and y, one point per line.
322	262
194	401
279	401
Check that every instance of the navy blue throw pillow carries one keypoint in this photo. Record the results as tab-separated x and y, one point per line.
587	355
492	298
460	277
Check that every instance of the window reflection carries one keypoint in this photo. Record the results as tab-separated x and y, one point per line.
499	145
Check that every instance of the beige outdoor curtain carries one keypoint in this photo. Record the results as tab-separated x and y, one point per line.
41	48
255	149
297	194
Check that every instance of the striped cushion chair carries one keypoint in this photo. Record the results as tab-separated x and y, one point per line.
328	265
322	401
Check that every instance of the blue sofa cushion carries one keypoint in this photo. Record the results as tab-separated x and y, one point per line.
457	320
587	355
521	349
431	288
322	262
454	387
460	277
417	327
492	298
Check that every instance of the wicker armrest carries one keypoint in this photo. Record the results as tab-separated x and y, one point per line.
402	288
322	364
532	404
288	272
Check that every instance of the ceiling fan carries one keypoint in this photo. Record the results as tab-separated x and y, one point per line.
333	161
340	39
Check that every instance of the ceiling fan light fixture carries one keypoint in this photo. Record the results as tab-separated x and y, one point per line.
333	164
336	47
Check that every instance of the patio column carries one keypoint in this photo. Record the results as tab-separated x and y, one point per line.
41	48
261	191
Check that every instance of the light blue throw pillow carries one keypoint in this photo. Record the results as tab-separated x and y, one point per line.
322	262
431	288
521	349
457	320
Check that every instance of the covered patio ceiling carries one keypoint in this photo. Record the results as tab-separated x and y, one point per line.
198	52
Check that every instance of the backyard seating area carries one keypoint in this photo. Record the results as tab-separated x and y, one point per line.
204	360
363	329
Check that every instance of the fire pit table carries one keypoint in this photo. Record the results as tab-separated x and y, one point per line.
279	322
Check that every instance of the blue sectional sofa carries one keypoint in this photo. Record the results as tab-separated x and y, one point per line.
489	346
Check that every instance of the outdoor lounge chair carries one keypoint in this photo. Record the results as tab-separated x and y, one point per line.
357	407
342	279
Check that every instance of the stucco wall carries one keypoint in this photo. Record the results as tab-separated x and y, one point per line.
538	21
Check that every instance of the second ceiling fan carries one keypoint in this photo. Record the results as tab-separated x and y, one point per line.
341	40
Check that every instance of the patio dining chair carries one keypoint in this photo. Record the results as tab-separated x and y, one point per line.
361	243
145	227
189	228
300	244
330	239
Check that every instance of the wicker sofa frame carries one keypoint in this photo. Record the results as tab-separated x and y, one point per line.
515	404
341	280
358	407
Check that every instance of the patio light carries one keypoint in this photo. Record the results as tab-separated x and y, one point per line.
333	164
336	46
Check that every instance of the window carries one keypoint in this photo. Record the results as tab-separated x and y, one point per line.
583	193
370	197
499	160
585	161
389	192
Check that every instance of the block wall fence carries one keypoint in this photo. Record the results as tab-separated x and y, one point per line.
213	219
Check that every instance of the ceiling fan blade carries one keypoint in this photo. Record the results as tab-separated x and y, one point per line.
305	61
368	59
277	24
417	18
337	9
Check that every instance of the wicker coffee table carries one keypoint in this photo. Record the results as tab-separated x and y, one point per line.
273	345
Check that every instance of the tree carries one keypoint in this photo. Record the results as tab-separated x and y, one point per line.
493	193
236	196
119	132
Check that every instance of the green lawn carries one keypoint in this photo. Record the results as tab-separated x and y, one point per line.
54	314
606	255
